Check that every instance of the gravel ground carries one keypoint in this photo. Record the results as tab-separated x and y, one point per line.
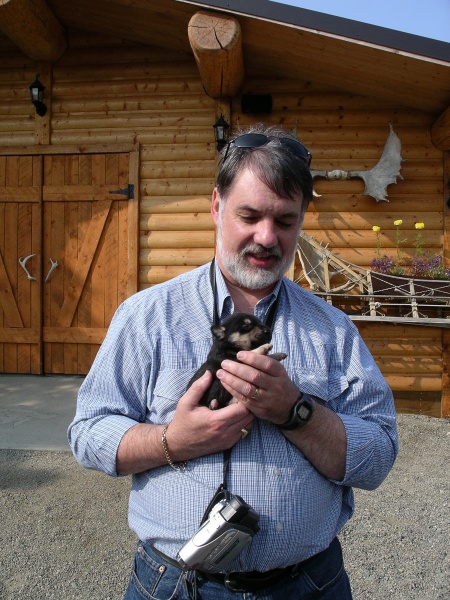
64	532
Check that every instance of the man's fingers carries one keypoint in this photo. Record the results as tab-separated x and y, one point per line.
198	388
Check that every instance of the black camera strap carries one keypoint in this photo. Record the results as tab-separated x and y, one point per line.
222	493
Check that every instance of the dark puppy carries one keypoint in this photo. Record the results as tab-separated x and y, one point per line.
240	331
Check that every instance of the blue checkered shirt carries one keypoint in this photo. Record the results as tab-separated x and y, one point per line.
157	340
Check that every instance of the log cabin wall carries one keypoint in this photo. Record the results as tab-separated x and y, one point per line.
107	92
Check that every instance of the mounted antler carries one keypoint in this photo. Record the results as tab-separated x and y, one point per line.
384	172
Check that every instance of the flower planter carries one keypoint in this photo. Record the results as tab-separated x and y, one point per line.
394	285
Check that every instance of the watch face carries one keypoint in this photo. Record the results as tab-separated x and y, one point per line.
303	412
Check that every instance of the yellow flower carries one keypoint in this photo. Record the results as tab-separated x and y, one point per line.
419	225
398	222
376	228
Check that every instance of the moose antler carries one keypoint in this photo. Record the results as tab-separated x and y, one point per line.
383	173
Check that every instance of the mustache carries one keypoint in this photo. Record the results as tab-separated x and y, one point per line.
257	249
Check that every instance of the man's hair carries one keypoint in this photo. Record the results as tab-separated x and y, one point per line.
276	166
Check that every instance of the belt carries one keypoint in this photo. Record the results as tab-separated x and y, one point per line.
253	581
237	581
250	581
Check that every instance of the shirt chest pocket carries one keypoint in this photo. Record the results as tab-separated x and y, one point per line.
322	384
169	388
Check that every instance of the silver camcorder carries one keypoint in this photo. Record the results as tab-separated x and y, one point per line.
230	526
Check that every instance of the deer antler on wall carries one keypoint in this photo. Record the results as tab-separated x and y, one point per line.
383	173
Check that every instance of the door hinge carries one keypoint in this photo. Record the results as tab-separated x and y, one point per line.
126	191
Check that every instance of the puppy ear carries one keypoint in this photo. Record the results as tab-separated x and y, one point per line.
218	331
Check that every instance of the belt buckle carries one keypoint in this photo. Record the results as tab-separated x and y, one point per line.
229	584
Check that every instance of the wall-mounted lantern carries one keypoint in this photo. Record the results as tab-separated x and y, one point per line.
37	90
221	132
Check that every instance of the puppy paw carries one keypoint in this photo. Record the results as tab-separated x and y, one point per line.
266	348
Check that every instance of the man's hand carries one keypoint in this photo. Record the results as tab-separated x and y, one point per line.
194	431
262	384
323	440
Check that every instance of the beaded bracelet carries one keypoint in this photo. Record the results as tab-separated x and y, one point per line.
177	466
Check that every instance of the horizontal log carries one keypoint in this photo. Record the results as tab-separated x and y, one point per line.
150	206
21	138
177	187
336	151
418	187
92	137
176	135
402	333
129	87
421	404
200	166
177	222
177	239
176	257
179	103
410	365
17	123
184	152
392	347
401	204
364	221
413	383
144	120
153	275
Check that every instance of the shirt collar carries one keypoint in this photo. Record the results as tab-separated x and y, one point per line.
225	305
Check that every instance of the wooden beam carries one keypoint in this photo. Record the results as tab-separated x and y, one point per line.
33	27
440	131
216	42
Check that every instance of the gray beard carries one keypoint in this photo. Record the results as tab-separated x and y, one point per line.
246	275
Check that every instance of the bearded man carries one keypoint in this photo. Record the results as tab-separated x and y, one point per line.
302	432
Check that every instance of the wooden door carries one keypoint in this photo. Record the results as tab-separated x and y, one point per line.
20	264
68	256
86	254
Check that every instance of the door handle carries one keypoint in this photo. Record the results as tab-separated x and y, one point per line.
52	268
23	262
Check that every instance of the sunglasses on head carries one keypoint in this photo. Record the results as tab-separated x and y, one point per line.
257	140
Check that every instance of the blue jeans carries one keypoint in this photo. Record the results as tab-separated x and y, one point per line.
322	577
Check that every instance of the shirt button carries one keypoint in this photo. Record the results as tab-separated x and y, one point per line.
277	472
279	526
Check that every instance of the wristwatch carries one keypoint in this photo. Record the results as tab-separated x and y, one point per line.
300	414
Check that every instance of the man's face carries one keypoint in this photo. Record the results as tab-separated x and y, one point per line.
257	232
